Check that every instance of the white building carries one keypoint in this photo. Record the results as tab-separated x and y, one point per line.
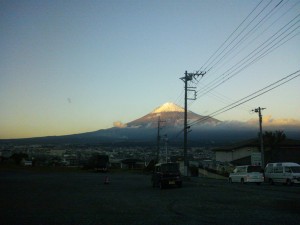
237	151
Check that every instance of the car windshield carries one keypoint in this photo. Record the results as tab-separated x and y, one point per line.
295	169
170	167
254	169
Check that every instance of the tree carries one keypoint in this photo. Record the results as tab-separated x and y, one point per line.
17	157
272	139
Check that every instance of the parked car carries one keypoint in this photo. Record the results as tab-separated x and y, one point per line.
247	174
166	174
284	172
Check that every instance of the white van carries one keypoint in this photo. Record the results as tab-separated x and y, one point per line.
284	172
246	174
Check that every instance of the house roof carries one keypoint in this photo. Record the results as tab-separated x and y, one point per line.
238	145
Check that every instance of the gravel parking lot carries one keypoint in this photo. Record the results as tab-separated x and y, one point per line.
28	197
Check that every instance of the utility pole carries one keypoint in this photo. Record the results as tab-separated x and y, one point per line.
166	146
188	77
158	138
258	110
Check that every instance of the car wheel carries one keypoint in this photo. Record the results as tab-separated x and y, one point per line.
258	183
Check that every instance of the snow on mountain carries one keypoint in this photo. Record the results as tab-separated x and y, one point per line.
168	107
171	114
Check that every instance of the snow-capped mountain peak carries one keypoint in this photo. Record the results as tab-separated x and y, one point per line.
171	114
168	107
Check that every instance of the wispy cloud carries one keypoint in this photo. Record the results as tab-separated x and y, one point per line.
268	120
119	124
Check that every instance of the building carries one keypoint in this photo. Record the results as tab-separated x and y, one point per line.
240	153
286	151
237	152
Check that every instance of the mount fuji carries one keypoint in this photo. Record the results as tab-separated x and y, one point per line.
205	130
172	116
144	129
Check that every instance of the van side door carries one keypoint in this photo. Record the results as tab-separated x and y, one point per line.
278	174
287	173
234	175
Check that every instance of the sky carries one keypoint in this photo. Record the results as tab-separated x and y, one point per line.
70	67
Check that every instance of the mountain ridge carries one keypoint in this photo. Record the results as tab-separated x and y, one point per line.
144	129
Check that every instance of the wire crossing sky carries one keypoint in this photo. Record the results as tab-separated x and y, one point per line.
251	96
76	66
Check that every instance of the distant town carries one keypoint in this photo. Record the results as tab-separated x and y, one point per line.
79	155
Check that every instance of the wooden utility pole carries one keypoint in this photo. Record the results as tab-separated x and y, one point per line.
187	77
158	138
258	110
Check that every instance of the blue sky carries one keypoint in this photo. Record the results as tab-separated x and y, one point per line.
76	66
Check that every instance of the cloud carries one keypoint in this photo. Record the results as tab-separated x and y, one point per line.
269	121
119	124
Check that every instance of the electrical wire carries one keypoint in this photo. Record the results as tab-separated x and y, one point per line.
228	38
250	97
251	41
243	100
280	37
255	52
241	32
248	34
244	63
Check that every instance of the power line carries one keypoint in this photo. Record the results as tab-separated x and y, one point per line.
231	34
250	97
244	63
251	41
244	100
241	32
256	54
235	39
248	34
